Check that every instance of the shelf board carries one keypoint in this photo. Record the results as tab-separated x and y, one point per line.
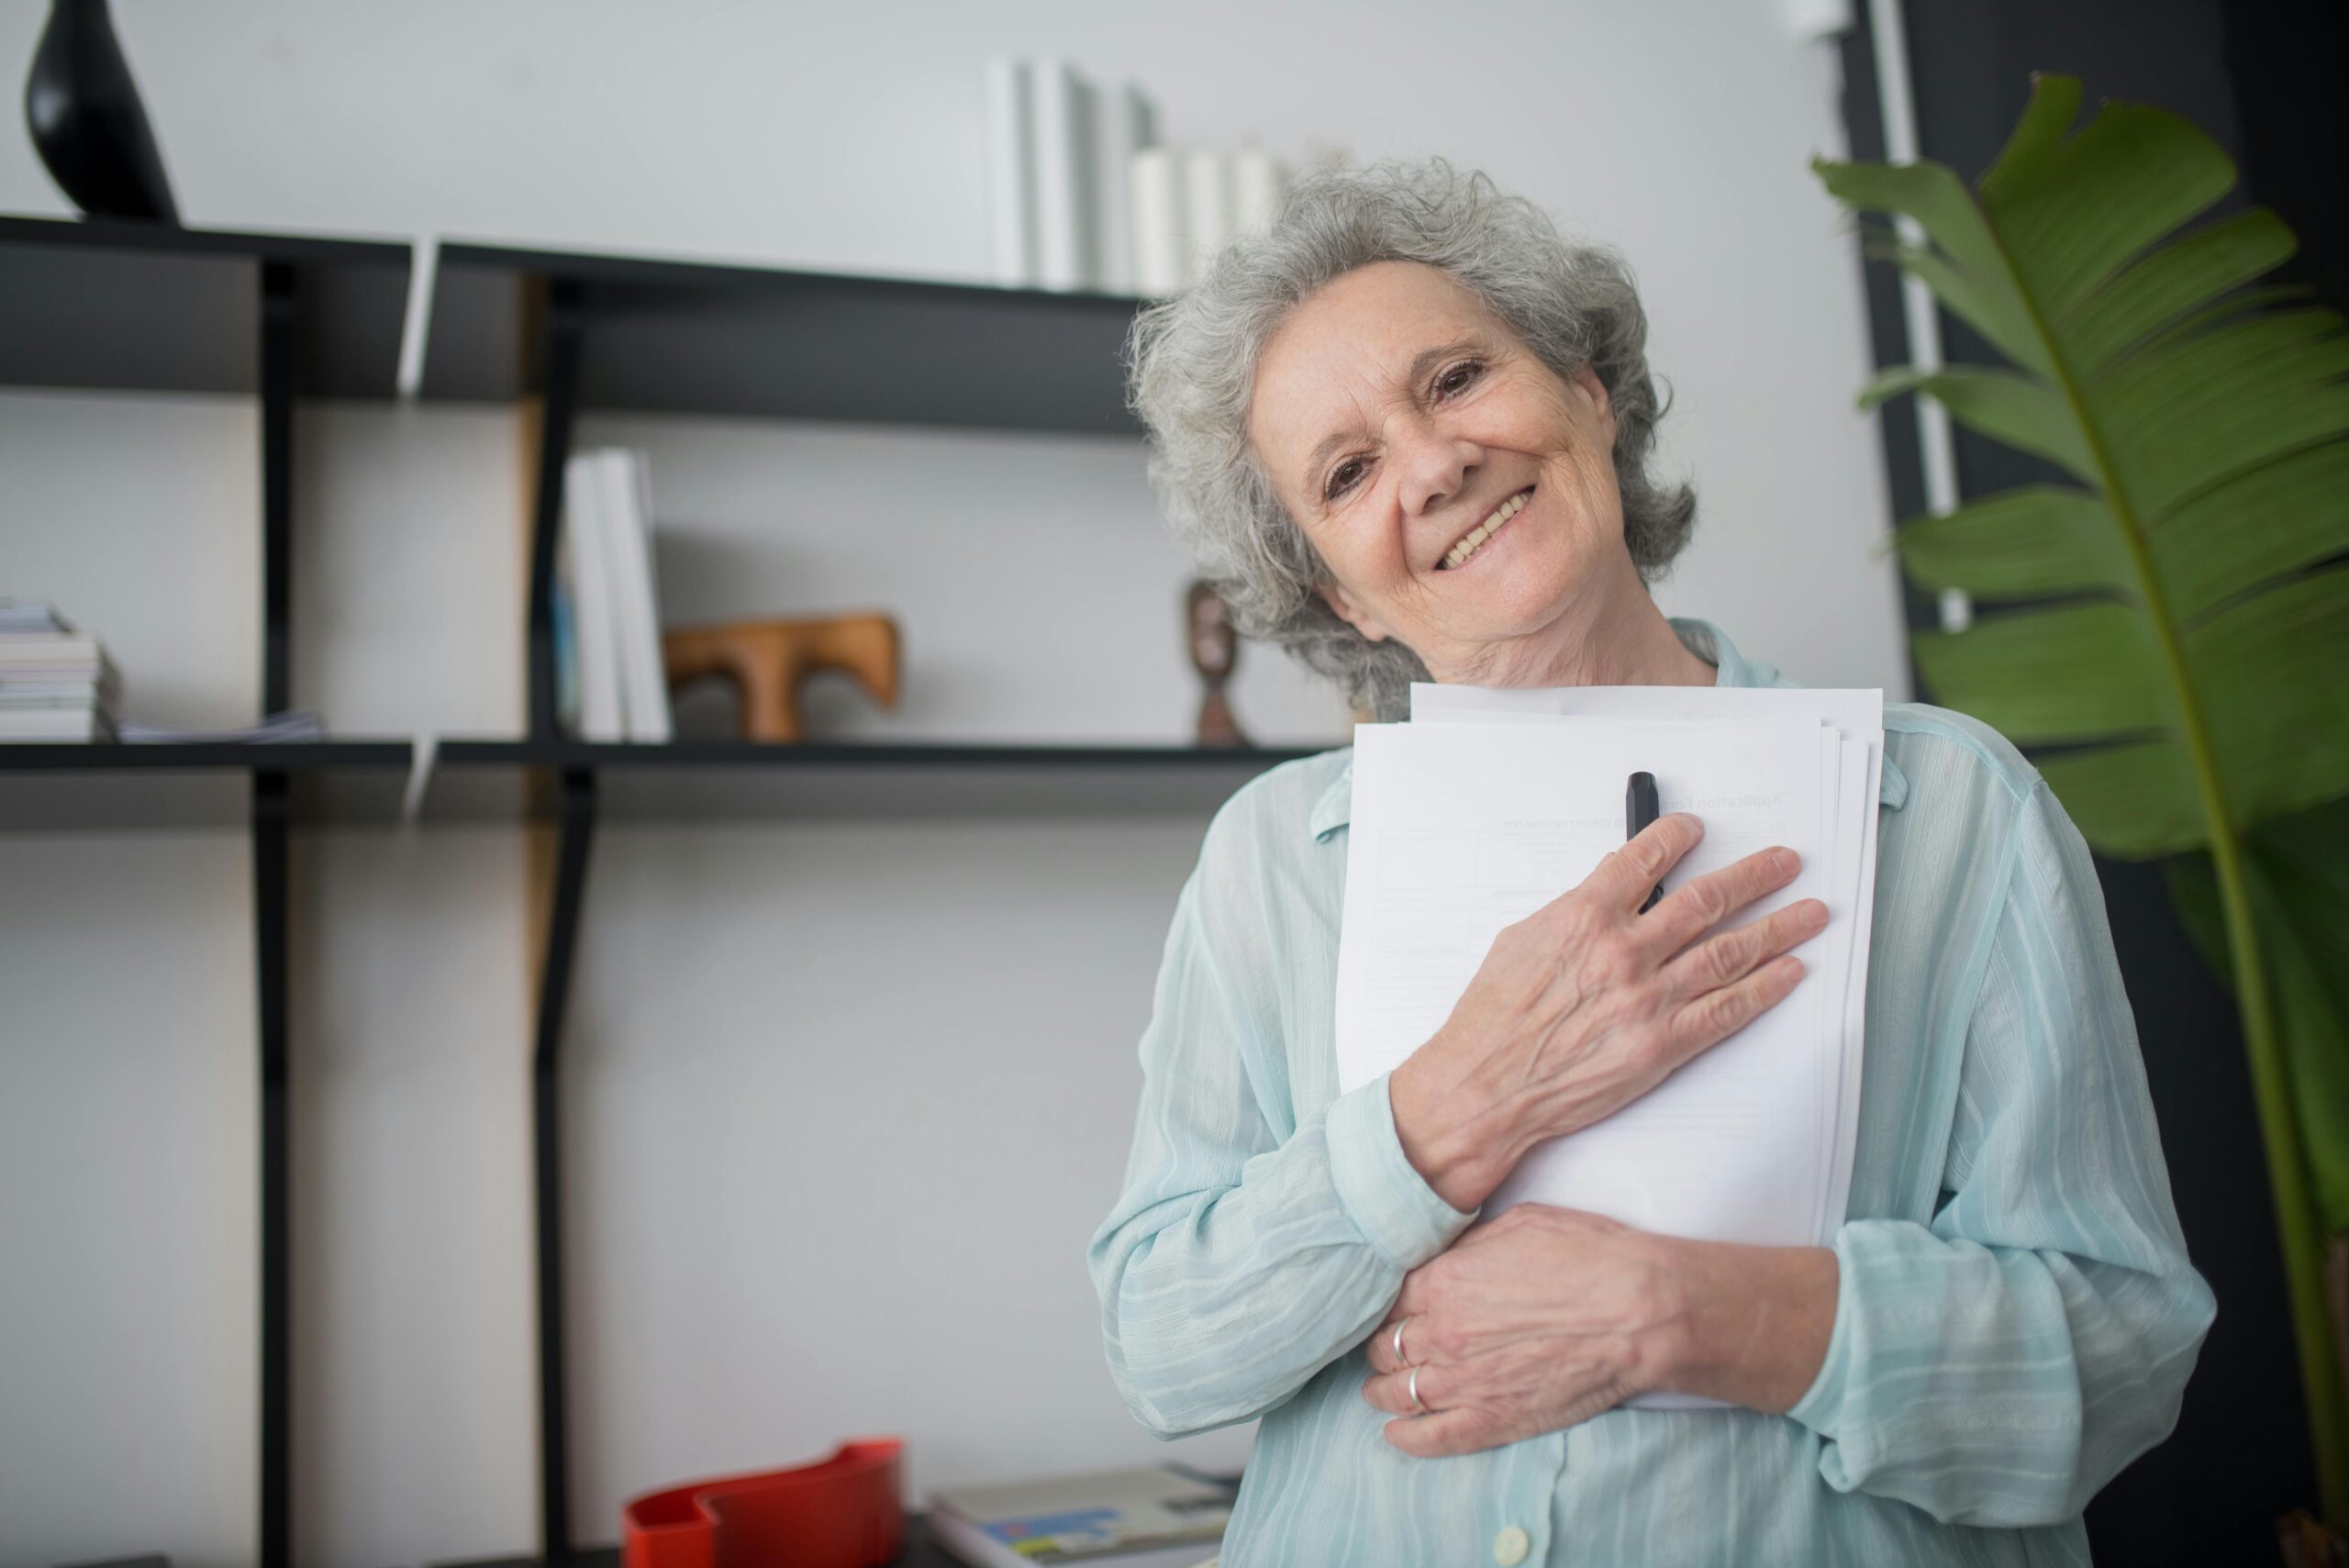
110	304
721	780
116	305
111	787
691	337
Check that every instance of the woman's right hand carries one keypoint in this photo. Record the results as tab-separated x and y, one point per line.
1587	1003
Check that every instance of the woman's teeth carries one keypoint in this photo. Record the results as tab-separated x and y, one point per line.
1489	527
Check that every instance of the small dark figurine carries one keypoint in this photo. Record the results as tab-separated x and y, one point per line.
1215	649
86	121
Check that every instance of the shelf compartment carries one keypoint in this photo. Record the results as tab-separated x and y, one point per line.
688	338
108	305
109	787
720	780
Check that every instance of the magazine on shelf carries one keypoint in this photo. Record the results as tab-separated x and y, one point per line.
1157	1517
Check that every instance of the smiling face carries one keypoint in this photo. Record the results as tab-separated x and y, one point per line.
1462	494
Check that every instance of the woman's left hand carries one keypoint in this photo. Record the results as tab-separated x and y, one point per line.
1535	1320
1543	1317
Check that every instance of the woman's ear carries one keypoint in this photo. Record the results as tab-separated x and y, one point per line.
1588	379
1353	615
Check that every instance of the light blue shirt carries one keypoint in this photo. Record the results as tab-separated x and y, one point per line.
2016	1316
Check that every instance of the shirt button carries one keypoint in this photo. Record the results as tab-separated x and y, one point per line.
1511	1546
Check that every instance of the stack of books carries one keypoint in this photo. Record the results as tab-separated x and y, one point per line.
1082	197
1058	147
610	682
56	684
1187	203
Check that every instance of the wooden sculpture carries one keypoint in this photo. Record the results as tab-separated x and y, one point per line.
1214	649
768	659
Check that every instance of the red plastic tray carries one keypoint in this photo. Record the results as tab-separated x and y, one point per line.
842	1512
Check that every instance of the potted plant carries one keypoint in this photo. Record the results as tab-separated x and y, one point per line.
2172	617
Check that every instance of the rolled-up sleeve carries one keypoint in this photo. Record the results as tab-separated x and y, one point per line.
1998	1365
1242	1257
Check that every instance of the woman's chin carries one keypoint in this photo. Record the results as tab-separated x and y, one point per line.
1514	596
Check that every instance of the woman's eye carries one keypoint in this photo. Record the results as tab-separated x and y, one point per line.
1459	378
1342	479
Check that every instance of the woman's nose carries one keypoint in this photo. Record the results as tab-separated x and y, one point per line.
1432	463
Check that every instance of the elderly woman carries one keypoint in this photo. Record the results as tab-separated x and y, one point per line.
1407	431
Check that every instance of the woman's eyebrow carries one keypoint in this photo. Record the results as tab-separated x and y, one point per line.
1422	364
1428	358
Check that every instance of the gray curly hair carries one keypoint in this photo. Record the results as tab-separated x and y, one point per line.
1192	363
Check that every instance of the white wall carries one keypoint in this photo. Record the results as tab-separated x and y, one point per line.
781	1032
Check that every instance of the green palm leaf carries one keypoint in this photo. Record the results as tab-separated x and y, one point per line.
2175	620
2210	450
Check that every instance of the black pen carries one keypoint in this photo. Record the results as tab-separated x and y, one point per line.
1639	812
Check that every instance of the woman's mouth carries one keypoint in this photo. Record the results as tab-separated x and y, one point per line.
1475	540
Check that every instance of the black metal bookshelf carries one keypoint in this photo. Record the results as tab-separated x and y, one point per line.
107	305
110	306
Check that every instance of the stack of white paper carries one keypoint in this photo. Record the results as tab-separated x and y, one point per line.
1461	827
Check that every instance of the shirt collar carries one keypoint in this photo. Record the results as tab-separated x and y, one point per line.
1334	808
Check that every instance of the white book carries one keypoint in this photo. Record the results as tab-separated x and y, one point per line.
60	649
1210	201
32	724
59	693
79	660
104	684
1158	199
1126	123
1259	180
626	516
21	618
1064	217
585	558
1010	153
